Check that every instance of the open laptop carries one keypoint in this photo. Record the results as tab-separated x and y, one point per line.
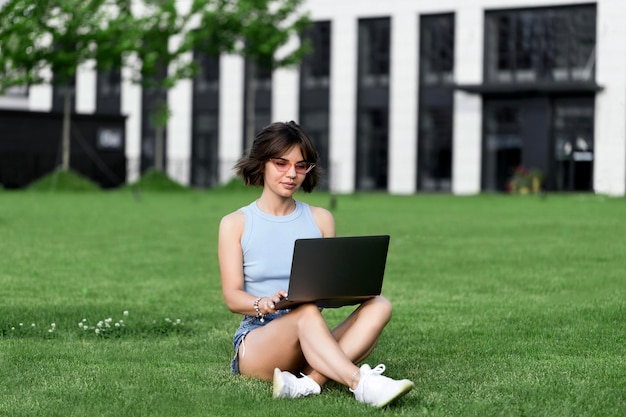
336	271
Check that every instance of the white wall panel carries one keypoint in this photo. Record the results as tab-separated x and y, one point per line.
231	114
610	128
343	104
403	104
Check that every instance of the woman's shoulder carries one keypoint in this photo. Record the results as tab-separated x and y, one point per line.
233	221
324	220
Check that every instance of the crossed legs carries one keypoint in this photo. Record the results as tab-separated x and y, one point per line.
302	341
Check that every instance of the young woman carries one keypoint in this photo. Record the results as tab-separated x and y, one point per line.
294	348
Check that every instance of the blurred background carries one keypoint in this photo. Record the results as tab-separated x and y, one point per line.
453	96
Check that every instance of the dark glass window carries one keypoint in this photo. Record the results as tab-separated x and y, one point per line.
315	94
437	49
152	97
435	102
108	91
205	121
573	144
374	52
58	95
258	100
554	44
503	143
373	104
315	67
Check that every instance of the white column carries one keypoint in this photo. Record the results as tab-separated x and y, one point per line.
179	132
231	114
610	130
466	134
285	88
343	104
179	102
40	96
86	80
403	104
131	108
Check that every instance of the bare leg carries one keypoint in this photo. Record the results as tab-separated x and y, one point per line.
358	334
286	341
302	338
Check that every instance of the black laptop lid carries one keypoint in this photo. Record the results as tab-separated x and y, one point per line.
337	271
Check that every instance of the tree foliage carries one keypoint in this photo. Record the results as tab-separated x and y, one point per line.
155	39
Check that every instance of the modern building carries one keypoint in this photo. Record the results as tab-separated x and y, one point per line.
405	96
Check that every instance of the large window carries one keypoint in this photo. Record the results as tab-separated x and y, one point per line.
437	49
204	124
59	93
315	93
315	67
544	44
435	102
503	143
153	136
373	104
573	144
109	91
258	100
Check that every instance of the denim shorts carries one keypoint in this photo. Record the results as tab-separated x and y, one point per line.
248	324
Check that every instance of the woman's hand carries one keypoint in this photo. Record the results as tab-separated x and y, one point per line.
267	305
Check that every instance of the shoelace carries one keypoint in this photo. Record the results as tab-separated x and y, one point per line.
379	369
307	383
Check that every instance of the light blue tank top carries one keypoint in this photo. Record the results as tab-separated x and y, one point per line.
267	245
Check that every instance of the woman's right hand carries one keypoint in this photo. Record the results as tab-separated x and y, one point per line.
267	305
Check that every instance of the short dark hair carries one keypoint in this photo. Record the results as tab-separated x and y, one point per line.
272	142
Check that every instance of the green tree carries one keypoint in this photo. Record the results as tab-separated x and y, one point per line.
59	35
255	29
266	27
156	41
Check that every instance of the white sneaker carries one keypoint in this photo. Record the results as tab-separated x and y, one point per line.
378	390
287	385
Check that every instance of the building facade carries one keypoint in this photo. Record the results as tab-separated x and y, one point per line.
404	96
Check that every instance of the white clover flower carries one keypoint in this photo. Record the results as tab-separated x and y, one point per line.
21	324
33	325
97	331
117	325
178	321
126	313
121	321
50	330
109	320
80	324
167	319
100	324
12	328
53	325
84	320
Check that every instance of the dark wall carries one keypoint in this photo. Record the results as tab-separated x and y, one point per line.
30	147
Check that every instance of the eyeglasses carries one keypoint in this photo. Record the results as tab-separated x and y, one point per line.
283	165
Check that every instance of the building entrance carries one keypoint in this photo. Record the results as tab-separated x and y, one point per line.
553	135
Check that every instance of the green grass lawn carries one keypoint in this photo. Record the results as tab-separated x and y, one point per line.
503	306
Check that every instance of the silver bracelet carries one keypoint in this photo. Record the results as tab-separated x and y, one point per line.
259	315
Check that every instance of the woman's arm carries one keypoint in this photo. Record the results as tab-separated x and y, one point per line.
231	264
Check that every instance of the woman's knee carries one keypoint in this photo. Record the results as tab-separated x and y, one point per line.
309	310
381	307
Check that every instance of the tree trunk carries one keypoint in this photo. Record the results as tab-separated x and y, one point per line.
158	148
66	129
